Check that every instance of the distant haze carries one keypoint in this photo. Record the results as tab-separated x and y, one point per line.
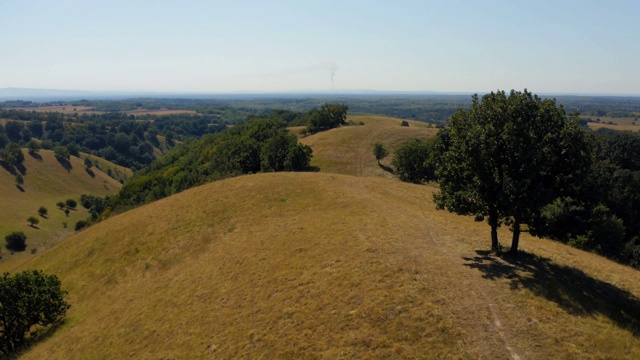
196	47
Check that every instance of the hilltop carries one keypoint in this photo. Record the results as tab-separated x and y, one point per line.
329	265
296	265
47	182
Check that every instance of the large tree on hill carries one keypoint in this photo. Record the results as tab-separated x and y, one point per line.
328	116
507	157
29	301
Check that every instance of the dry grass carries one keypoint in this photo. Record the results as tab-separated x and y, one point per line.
46	182
303	265
119	173
159	112
628	123
329	266
349	150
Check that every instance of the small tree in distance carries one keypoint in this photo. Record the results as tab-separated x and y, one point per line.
16	241
379	152
43	211
32	220
71	204
60	205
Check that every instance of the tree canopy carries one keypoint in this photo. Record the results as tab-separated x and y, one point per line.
28	301
509	156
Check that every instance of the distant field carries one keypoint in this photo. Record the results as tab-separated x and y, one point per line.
628	123
87	109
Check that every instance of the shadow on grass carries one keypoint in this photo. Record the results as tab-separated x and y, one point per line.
573	290
35	155
66	164
39	336
386	168
20	188
90	172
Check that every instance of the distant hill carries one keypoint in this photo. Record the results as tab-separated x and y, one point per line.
47	182
320	265
349	149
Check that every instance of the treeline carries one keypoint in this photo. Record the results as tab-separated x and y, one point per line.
260	144
117	137
500	161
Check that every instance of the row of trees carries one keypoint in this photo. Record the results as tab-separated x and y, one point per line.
516	159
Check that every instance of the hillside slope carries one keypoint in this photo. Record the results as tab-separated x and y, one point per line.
313	265
47	182
348	150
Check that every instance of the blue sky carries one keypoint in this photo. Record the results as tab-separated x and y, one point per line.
583	47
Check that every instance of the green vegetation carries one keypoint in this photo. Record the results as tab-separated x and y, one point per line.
508	157
328	116
30	301
32	220
380	152
411	162
42	211
259	144
16	241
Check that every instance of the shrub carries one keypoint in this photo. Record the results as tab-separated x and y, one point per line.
43	211
81	225
404	123
29	301
16	241
71	204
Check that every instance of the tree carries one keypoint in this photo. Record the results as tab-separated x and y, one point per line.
16	241
329	116
507	157
61	153
404	123
33	146
29	301
60	205
379	152
32	220
67	211
71	204
410	161
42	211
19	180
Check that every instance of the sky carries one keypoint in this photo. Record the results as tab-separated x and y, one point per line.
189	46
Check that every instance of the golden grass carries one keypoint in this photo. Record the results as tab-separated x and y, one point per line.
119	173
349	149
313	265
621	124
46	182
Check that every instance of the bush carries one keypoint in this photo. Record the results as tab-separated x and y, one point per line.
43	211
71	204
81	225
32	220
404	123
29	301
411	163
16	241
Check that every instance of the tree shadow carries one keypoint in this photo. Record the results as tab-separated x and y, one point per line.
90	172
573	290
66	164
20	188
20	167
35	155
386	168
8	167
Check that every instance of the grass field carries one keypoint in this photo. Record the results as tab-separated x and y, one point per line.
349	150
345	263
313	265
46	182
621	124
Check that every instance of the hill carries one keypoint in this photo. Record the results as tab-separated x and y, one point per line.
316	265
348	150
47	182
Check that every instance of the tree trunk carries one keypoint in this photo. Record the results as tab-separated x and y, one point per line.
493	222
516	238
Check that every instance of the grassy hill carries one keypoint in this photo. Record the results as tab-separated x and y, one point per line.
329	265
313	265
47	182
348	150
